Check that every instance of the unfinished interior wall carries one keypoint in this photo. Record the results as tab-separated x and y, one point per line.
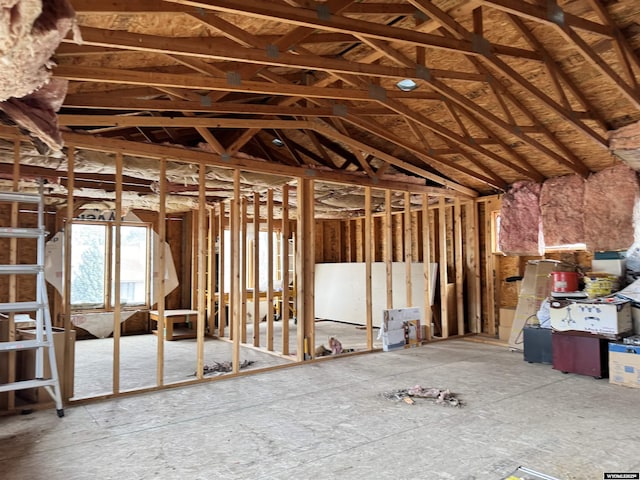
443	232
384	226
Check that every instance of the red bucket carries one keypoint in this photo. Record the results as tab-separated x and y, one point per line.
564	282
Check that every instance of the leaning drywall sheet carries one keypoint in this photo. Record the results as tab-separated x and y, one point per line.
340	292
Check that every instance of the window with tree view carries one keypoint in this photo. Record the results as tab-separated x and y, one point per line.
93	265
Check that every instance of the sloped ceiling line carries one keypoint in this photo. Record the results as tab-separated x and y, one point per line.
451	96
565	25
505	90
456	30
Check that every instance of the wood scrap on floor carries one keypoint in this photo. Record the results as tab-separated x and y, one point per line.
438	395
222	367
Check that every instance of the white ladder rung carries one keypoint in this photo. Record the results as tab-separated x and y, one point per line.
20	197
11	232
22	384
20	269
20	307
23	345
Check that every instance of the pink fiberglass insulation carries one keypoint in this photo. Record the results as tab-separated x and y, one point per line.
609	198
520	220
561	207
36	113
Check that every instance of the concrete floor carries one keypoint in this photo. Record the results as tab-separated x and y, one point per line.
329	420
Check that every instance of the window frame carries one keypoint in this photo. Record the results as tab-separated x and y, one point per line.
109	263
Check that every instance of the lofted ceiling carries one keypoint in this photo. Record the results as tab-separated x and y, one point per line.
505	90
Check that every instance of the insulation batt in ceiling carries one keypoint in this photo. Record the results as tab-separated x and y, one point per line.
625	144
609	198
561	207
520	220
30	32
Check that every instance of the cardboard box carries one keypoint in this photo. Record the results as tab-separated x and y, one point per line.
400	328
635	317
610	318
26	364
624	364
614	267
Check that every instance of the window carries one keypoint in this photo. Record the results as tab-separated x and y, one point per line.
262	267
495	238
93	262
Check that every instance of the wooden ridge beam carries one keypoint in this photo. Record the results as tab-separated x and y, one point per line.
330	21
111	102
109	7
264	57
140	121
201	82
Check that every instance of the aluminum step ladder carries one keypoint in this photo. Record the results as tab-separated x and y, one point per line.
43	342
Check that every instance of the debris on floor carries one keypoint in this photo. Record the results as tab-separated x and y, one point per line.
438	395
335	348
222	367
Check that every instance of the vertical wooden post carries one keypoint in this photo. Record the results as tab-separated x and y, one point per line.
243	272
408	254
387	242
398	240
442	231
269	270
66	256
256	269
490	272
359	241
415	237
368	254
286	292
222	304
459	265
162	234
473	269
194	248
426	259
235	270
348	250
117	259
305	263
201	258
211	272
